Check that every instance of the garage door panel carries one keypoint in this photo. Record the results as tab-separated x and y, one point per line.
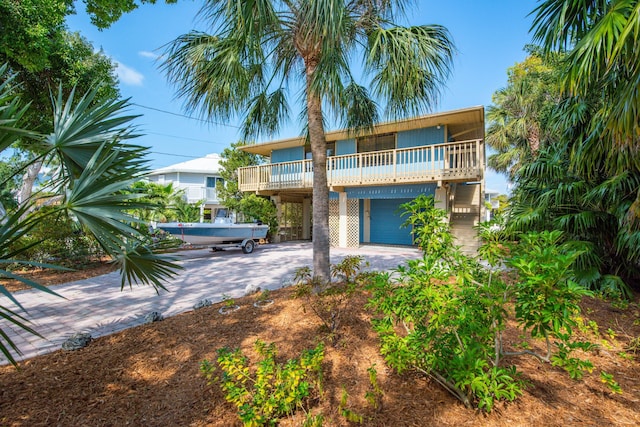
386	222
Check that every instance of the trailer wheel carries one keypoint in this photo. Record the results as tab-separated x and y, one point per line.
249	246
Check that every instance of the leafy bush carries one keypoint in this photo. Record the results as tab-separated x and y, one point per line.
57	238
444	314
274	390
448	328
430	229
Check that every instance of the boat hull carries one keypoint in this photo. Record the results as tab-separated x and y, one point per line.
197	233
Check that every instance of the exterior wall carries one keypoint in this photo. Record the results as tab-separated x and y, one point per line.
419	137
368	187
164	178
391	191
194	185
287	155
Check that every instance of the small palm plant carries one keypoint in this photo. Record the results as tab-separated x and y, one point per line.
96	168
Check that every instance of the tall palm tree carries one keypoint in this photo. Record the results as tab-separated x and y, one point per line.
96	167
260	49
519	117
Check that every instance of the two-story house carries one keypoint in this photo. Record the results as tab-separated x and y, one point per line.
198	178
370	176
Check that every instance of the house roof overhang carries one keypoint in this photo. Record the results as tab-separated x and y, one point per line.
463	124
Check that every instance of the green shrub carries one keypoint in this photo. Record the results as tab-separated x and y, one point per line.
444	314
273	390
57	238
448	326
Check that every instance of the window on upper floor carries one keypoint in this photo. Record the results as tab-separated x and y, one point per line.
331	150
212	181
381	142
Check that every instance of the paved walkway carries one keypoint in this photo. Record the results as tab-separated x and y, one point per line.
97	305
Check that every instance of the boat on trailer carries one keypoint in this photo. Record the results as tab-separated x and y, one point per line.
221	233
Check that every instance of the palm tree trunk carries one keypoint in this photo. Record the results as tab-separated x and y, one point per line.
321	244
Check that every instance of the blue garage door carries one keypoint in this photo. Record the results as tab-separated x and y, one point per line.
386	221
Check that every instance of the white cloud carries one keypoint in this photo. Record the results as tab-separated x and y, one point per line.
129	76
147	54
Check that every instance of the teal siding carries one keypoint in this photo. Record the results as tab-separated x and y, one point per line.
287	155
418	137
346	146
386	223
391	191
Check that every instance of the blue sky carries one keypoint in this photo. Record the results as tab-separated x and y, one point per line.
490	37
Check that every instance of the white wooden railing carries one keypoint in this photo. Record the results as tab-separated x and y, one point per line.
195	194
456	161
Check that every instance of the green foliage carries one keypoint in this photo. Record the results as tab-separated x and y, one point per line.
374	394
546	296
57	238
495	239
449	328
429	225
444	316
251	206
574	366
610	382
259	208
163	203
520	117
348	414
565	130
329	301
551	195
274	390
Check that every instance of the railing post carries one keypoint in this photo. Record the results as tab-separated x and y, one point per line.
393	153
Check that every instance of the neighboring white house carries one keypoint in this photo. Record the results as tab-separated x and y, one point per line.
198	177
490	199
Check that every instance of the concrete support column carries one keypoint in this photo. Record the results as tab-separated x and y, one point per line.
344	220
366	221
306	218
276	200
202	212
441	198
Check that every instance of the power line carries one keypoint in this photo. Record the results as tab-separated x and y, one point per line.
185	116
175	155
183	137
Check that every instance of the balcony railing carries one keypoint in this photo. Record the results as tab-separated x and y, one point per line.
456	161
196	194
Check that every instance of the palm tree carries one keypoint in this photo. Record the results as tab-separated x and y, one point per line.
260	49
603	44
96	167
520	114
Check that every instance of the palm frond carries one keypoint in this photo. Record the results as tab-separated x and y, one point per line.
5	341
409	66
138	264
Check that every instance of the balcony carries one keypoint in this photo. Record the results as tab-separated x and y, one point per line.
455	161
195	194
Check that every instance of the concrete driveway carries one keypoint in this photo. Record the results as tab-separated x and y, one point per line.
97	305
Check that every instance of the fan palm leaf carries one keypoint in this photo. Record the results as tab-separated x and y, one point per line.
96	169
